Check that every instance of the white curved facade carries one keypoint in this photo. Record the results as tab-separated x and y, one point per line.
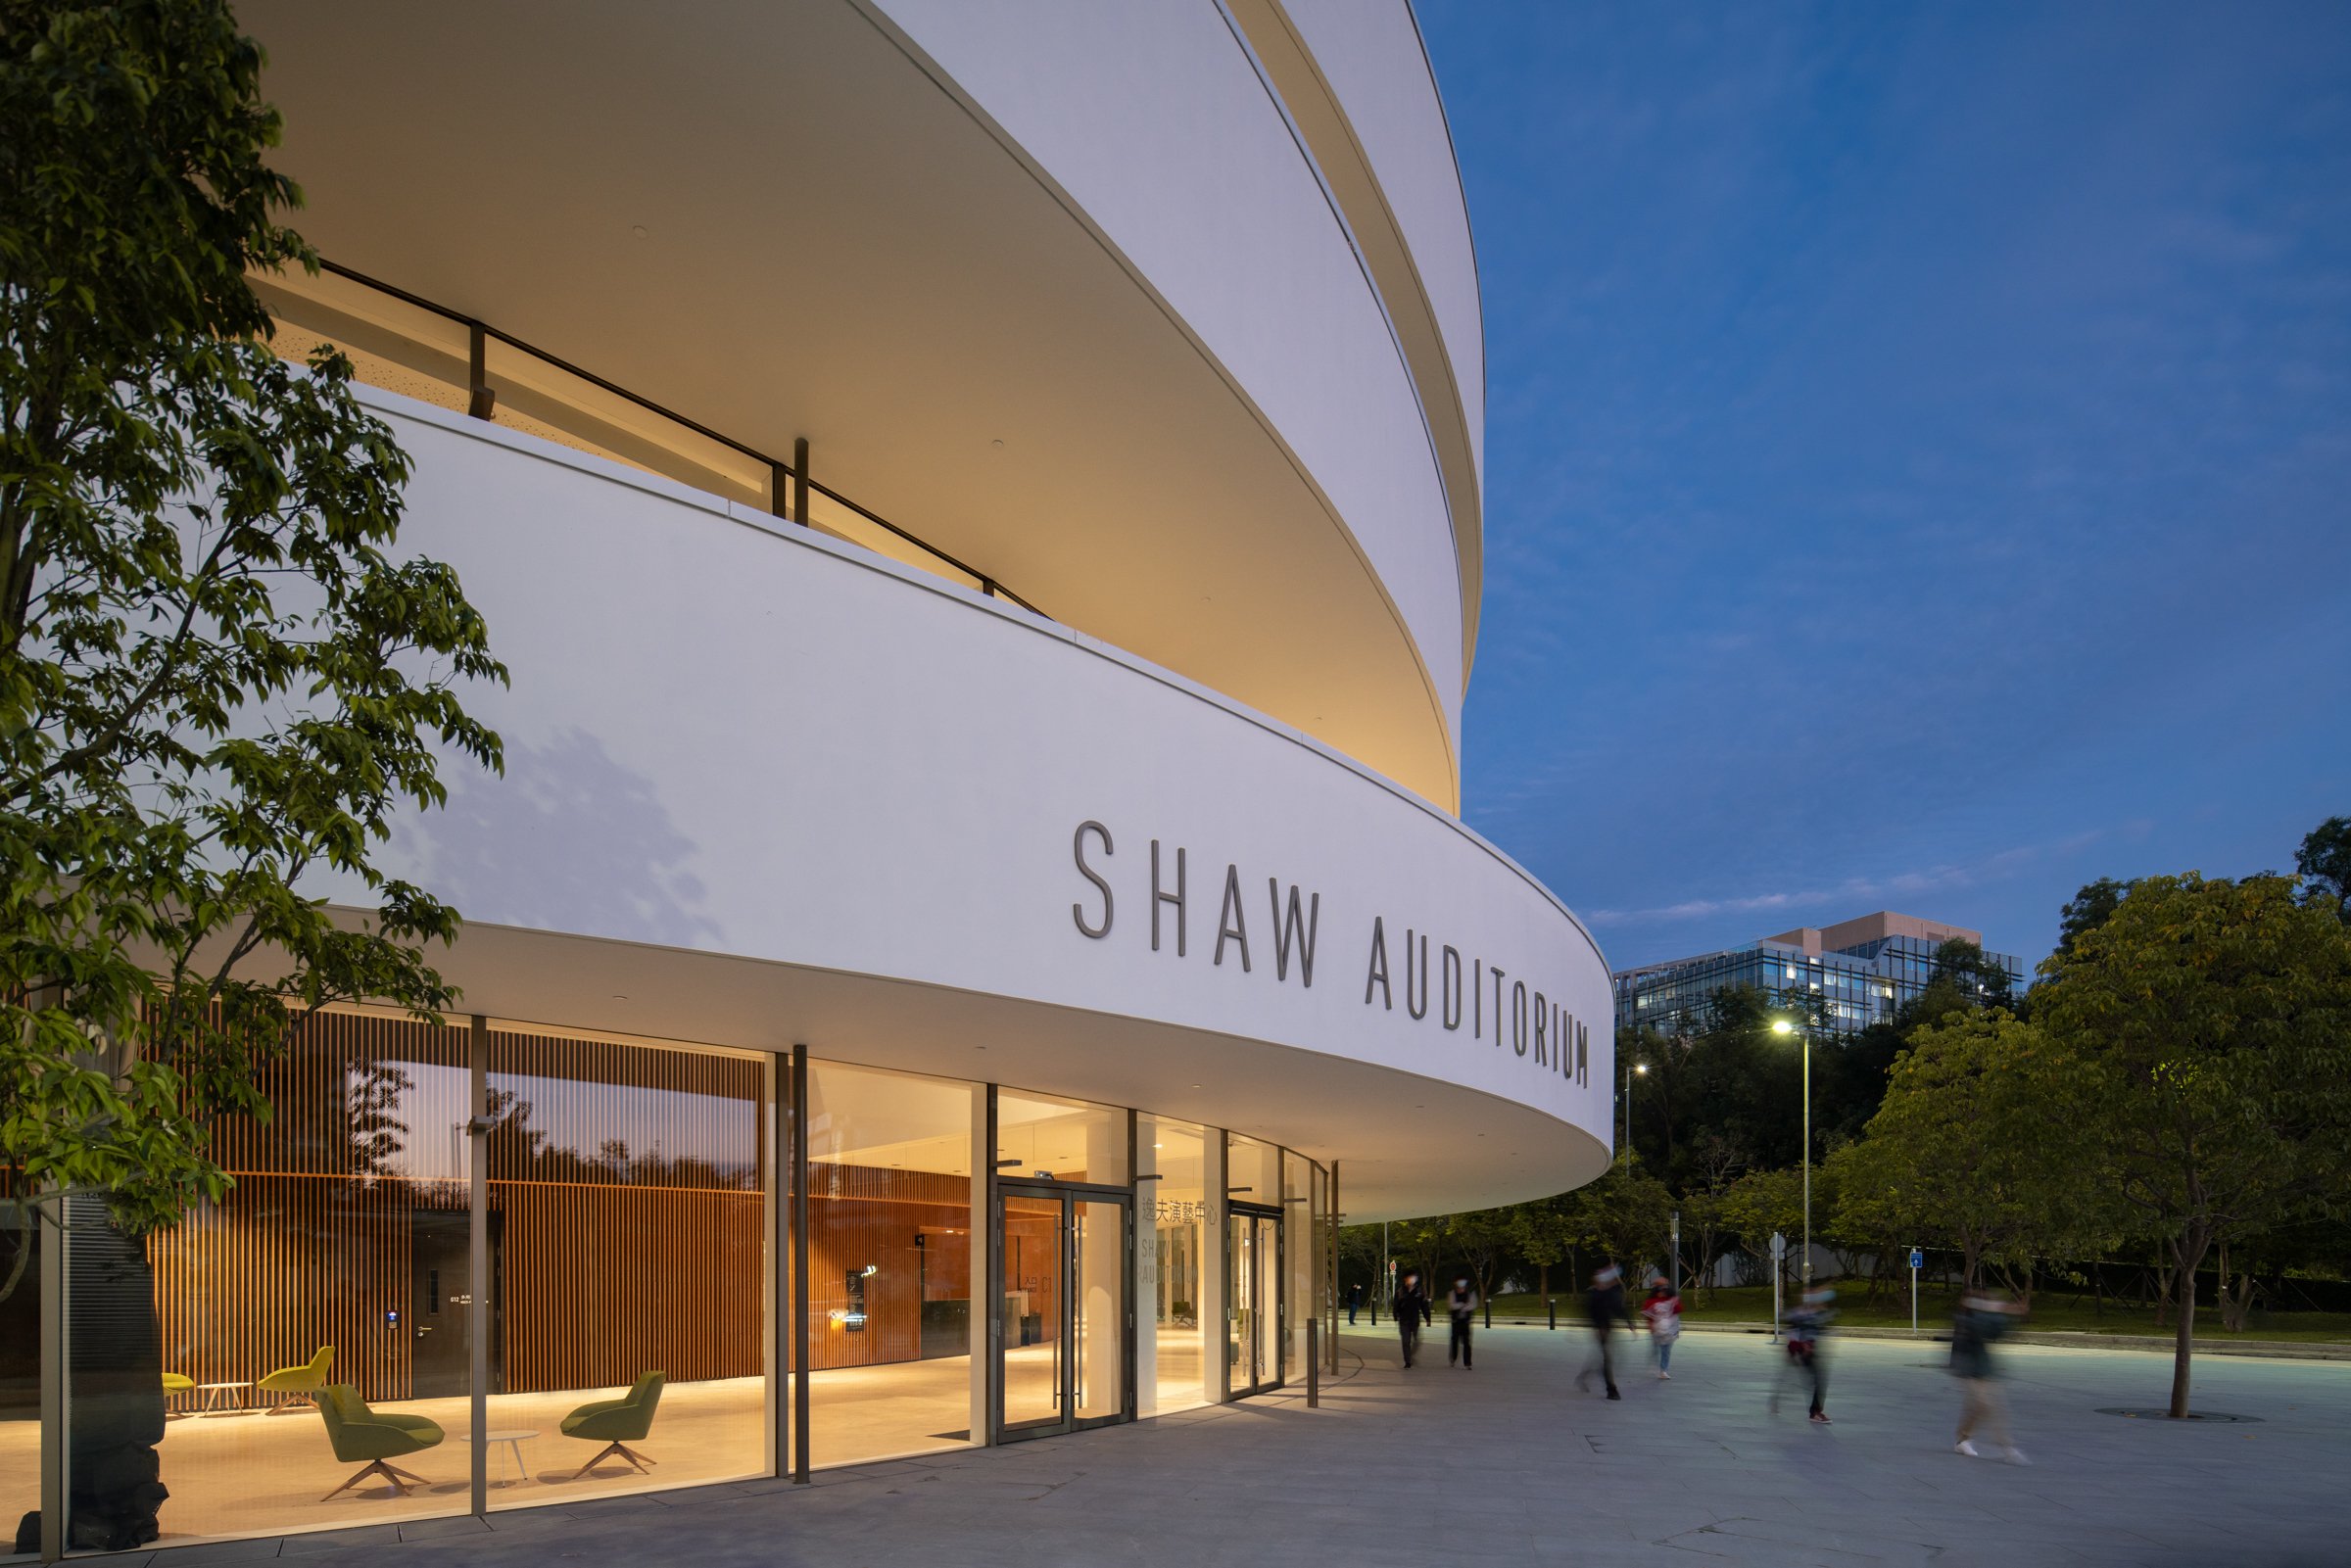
756	745
981	505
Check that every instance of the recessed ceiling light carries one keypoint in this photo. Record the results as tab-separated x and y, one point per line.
637	229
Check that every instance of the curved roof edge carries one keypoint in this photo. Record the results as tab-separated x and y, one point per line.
1320	117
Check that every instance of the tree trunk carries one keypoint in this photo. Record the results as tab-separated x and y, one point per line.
2187	1254
1543	1282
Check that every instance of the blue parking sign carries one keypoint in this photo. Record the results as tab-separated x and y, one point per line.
1918	1258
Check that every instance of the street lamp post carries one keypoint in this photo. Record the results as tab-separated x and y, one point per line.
1630	1068
1783	1026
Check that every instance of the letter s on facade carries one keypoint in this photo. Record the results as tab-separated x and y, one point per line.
1077	851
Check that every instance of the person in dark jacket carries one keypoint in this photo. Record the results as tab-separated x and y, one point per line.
1982	1319
1354	1300
1410	1306
1460	1305
1603	1310
1808	1352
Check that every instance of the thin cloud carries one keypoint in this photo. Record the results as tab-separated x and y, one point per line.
1991	868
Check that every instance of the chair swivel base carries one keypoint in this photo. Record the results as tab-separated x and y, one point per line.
392	1474
621	1449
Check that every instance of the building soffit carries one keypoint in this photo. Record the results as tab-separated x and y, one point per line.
1329	139
1466	564
831	241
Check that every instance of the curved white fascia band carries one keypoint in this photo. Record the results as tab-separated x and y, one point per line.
730	736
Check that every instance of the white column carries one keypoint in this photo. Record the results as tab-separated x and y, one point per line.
1145	1284
987	1273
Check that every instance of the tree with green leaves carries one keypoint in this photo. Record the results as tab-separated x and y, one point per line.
218	679
2087	909
1481	1239
2324	864
2205	1031
1541	1235
1760	1203
1977	1149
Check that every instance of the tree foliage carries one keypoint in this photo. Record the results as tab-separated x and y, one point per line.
1977	1148
2324	864
2207	1032
217	681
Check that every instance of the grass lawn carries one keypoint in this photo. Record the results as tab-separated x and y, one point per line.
2053	1310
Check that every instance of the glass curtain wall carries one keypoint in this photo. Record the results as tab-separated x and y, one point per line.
276	1361
1171	1318
628	1250
889	1262
1299	1259
302	1353
1253	1262
1043	1138
23	1343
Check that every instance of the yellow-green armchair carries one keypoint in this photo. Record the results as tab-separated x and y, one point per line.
297	1384
357	1433
619	1422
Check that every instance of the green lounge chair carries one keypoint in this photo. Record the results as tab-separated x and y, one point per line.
619	1422
299	1383
375	1436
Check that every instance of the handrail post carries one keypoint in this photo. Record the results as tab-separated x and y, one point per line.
1314	1364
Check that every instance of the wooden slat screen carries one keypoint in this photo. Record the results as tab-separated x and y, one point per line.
860	1215
627	1181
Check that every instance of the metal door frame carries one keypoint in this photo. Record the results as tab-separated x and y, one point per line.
1069	1194
1280	1295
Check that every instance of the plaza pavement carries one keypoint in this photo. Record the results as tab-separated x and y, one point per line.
1509	1464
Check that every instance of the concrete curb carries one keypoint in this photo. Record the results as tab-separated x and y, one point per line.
2072	1339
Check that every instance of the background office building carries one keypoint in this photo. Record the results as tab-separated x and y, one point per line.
1852	973
981	505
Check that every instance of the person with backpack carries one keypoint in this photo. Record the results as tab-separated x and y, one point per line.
1982	1319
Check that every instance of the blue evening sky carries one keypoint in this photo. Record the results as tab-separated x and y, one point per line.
1918	453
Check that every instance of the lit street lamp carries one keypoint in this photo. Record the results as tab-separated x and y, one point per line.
1783	1026
1629	1070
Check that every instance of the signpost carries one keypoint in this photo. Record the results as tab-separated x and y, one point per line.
1918	1258
1779	1251
1675	1274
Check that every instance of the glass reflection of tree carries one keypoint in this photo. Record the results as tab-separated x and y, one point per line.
522	1152
375	1134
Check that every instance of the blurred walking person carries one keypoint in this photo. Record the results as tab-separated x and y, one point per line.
1410	1306
1603	1310
1663	1311
1808	1356
1354	1299
1460	1305
1983	1319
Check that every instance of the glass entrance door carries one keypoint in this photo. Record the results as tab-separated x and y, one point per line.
1253	1298
1062	1313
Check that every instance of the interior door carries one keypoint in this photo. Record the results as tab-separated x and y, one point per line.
440	1297
1062	1316
1033	1241
1253	1300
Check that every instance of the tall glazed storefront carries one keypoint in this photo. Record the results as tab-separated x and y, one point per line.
979	505
483	1229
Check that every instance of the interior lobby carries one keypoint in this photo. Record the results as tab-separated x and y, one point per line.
636	1203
